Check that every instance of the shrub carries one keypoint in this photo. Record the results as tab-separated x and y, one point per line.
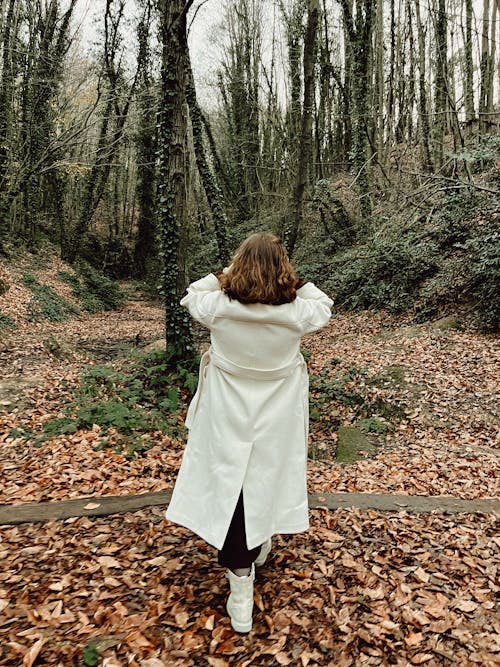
88	301
447	260
483	258
384	273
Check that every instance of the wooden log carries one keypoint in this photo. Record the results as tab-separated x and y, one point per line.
106	505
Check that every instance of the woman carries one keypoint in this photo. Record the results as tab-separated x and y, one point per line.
243	473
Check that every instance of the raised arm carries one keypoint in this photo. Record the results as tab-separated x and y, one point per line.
200	298
314	308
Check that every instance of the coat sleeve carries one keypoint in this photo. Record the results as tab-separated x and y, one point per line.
201	298
314	308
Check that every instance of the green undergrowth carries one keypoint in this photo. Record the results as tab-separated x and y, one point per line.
127	402
335	397
446	260
6	322
46	303
93	290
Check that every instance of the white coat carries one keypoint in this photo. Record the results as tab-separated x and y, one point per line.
248	421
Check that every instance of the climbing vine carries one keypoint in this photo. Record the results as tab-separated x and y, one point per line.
171	191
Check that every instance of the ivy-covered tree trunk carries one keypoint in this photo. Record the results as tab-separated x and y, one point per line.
440	85
469	63
359	31
423	104
145	246
208	179
6	112
171	191
293	17
305	145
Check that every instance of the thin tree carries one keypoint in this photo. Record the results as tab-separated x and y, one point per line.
423	103
305	144
115	114
145	148
440	84
208	178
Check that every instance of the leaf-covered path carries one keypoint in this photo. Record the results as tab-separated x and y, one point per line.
362	587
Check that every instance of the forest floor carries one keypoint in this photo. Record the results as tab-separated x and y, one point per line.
361	587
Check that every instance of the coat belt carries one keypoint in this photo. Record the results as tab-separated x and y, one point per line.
254	373
210	356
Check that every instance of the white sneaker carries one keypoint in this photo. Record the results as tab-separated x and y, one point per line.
240	601
264	552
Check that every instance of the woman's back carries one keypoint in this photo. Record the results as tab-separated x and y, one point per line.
256	335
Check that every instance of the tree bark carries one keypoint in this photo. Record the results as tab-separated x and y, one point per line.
440	85
172	200
422	91
359	33
305	144
208	179
469	65
6	88
145	246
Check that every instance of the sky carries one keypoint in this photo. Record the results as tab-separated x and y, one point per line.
87	12
202	41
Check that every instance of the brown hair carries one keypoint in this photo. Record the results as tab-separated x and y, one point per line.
260	272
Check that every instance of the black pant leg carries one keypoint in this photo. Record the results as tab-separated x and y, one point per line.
234	553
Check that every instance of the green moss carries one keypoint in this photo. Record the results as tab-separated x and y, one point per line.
351	443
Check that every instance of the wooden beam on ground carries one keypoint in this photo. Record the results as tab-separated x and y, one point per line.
105	505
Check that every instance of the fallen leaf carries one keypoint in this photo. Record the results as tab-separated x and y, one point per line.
159	560
137	640
466	605
413	639
108	561
420	658
216	662
33	653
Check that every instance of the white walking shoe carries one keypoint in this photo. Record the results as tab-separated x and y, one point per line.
240	601
264	553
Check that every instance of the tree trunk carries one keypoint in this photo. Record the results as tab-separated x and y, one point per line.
440	85
172	199
379	84
210	185
305	145
469	64
359	32
6	101
145	246
422	91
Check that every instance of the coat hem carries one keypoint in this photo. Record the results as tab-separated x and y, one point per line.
184	521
